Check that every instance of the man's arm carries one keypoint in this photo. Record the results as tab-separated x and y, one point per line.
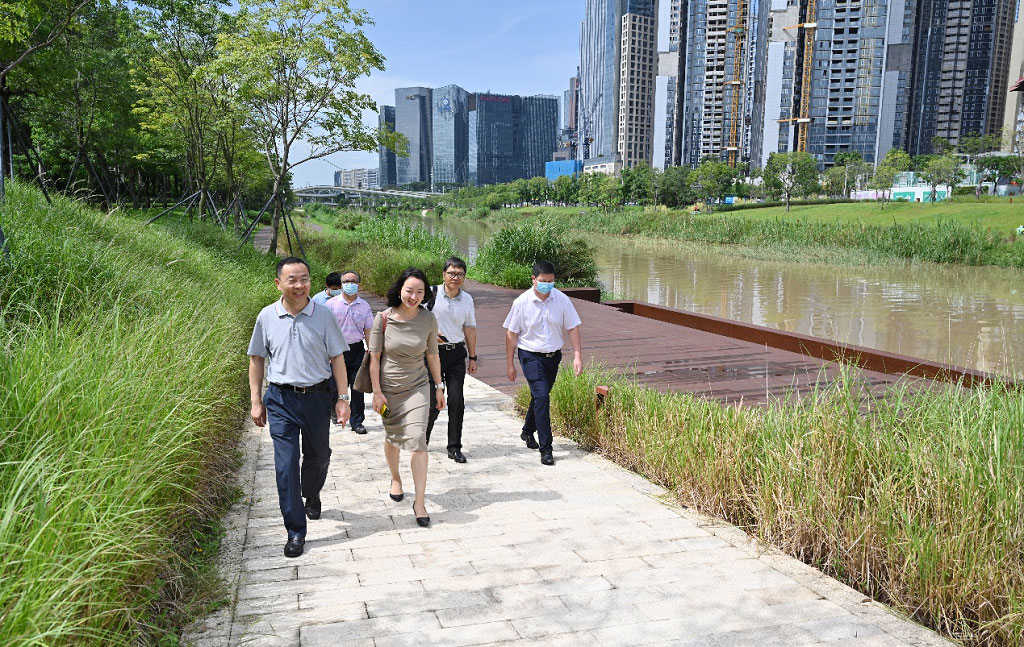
341	407
258	411
577	349
470	332
511	341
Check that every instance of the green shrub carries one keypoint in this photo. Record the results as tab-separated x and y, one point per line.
380	267
394	233
507	257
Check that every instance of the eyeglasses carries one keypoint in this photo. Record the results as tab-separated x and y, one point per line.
350	281
456	276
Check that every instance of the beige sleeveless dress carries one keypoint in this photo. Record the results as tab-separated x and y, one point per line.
404	379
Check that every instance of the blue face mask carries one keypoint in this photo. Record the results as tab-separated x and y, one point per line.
333	293
545	286
350	288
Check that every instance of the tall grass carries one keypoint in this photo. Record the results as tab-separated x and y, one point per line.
507	257
940	242
915	499
395	234
122	375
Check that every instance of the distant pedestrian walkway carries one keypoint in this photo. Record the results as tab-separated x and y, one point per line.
582	553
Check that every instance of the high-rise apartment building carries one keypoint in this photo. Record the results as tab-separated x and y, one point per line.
540	133
637	70
724	88
668	104
413	113
450	138
961	69
386	156
851	94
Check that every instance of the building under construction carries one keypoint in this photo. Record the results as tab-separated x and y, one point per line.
839	77
723	81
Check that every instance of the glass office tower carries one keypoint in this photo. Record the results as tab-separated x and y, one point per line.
499	121
386	156
540	133
450	137
413	119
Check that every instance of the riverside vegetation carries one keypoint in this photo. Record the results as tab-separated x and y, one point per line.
915	498
122	390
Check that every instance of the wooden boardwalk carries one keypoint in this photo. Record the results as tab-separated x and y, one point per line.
662	355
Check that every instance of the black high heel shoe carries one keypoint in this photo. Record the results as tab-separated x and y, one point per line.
396	497
424	522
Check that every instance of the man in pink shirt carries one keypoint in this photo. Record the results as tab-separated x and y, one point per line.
355	318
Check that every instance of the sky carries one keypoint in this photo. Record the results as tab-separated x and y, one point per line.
508	47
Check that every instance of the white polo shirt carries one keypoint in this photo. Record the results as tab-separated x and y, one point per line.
453	314
541	323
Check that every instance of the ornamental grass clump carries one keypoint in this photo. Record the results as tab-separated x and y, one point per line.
507	257
914	498
122	363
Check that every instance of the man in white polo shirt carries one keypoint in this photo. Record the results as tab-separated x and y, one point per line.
536	327
456	342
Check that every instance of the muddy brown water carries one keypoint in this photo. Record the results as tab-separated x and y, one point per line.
966	316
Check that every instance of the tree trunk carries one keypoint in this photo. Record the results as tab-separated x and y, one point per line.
276	222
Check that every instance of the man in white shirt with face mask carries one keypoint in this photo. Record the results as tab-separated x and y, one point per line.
536	327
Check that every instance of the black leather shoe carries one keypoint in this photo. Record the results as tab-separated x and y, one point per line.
457	456
424	522
294	547
546	458
313	508
359	429
531	442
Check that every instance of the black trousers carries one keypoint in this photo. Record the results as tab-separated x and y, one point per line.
353	359
294	417
453	374
540	373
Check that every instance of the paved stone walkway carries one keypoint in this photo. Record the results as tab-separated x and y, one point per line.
582	553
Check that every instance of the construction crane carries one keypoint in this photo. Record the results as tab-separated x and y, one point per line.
739	42
809	25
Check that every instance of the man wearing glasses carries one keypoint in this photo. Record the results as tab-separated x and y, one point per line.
355	318
456	341
305	347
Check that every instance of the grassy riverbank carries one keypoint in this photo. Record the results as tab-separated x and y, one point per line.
122	379
961	233
915	500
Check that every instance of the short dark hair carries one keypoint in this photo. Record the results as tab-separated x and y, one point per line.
456	262
290	260
543	267
395	291
358	275
334	278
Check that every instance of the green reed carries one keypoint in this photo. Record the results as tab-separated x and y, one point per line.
915	498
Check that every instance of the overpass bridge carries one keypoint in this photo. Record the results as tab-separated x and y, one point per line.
326	194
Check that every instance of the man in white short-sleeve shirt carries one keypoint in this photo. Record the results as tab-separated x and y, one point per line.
536	328
456	342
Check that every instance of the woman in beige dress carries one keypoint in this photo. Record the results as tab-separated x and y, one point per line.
400	381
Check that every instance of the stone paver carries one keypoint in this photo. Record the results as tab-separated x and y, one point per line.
582	553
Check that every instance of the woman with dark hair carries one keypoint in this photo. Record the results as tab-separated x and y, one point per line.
403	336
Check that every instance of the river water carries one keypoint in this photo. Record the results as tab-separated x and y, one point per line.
966	316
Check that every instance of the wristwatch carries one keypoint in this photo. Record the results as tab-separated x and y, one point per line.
344	397
439	385
472	358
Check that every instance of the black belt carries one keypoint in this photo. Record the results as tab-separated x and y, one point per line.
548	355
452	346
322	387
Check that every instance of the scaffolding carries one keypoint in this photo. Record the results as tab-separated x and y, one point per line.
739	42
